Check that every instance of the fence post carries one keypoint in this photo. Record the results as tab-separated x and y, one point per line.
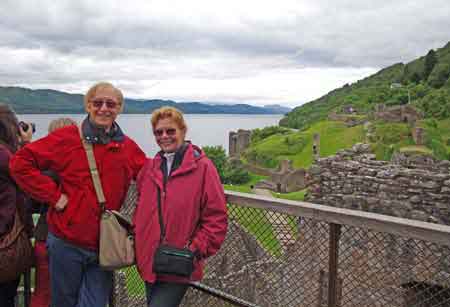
335	231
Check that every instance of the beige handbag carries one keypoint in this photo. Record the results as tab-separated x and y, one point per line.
116	246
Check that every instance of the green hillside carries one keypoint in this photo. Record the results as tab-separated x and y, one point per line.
426	79
271	145
297	145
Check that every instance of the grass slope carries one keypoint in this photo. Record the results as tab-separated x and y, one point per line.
297	145
386	139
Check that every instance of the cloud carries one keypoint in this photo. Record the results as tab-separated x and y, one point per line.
254	51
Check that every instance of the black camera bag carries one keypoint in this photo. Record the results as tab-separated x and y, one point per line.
173	261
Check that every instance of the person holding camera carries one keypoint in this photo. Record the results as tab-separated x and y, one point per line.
12	135
76	279
181	216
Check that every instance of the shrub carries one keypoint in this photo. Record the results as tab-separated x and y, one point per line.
439	75
261	158
218	156
236	175
260	134
229	172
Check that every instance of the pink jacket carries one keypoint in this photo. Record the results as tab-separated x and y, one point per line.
192	201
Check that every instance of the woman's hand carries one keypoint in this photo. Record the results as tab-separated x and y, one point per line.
25	136
61	203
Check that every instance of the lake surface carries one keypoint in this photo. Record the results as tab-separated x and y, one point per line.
203	129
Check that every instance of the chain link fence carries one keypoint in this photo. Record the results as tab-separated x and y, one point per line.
283	253
271	258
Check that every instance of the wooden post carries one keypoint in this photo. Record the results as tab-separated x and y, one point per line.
335	231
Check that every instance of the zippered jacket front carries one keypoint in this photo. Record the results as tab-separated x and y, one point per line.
62	152
193	208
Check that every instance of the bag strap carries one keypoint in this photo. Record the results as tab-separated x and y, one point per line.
160	216
161	222
93	170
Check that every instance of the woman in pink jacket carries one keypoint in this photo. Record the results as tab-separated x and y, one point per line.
185	185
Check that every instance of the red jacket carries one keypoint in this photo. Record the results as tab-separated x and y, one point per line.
193	196
62	152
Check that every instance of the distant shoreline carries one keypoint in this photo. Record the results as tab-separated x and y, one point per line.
144	113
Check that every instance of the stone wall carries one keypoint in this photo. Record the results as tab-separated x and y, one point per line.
238	142
411	188
418	135
285	179
348	120
404	113
375	269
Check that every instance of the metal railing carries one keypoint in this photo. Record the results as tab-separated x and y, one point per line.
286	253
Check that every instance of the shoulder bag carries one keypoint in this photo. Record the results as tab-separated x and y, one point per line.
16	252
116	242
171	260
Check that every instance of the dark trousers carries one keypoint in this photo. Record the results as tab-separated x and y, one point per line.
165	294
8	292
76	279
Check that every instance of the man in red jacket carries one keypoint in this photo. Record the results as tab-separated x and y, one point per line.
74	212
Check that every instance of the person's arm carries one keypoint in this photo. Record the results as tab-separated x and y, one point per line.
213	222
26	166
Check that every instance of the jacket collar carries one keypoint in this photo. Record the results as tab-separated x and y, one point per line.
178	158
187	156
97	135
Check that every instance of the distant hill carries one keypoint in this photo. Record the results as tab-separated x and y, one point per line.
276	108
426	79
47	101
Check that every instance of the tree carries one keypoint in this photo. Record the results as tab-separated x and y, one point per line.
415	78
439	75
404	78
228	172
430	61
236	175
218	156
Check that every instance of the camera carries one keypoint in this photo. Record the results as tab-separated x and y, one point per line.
26	126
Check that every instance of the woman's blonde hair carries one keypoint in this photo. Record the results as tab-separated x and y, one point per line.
103	85
169	112
60	122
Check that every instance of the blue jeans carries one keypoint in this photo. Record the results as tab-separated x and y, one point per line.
76	280
165	294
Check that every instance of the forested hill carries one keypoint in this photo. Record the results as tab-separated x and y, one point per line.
426	79
27	101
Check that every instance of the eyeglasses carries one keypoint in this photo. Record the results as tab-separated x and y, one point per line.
110	104
168	131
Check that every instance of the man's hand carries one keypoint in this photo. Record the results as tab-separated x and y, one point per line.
61	203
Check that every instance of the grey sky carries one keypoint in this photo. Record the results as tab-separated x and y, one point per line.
258	52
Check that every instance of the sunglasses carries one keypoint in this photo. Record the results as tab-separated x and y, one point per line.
110	104
168	131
